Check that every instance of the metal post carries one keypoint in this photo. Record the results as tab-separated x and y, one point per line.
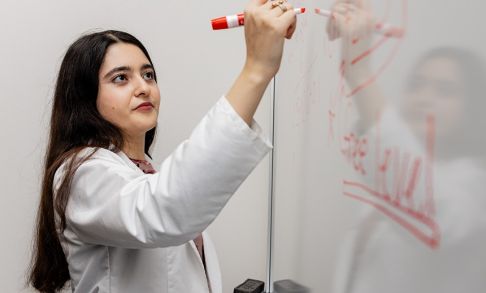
271	190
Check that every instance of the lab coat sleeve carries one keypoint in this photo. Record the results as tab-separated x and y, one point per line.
114	205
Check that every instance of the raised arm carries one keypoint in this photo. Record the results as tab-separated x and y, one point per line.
265	31
115	205
352	21
112	204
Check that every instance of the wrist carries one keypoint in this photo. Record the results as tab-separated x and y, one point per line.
247	91
258	73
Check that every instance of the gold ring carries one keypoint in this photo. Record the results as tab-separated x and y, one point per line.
277	3
280	4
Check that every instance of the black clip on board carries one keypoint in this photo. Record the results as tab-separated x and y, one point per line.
250	286
289	286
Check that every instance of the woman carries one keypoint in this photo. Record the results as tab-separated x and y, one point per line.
385	254
107	221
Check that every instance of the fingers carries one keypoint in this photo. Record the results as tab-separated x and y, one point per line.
256	4
282	16
363	4
336	23
287	19
331	28
276	10
291	32
343	8
259	2
349	20
285	16
289	22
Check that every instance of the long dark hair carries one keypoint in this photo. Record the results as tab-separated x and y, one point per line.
75	124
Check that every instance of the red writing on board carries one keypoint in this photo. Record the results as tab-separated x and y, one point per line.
403	188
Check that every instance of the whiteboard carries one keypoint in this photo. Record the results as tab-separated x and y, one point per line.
330	233
400	206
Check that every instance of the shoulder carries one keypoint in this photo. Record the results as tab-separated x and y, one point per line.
93	154
89	157
100	154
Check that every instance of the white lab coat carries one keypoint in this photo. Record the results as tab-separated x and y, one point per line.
131	232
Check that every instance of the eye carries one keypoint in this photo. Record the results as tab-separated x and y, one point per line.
149	75
120	78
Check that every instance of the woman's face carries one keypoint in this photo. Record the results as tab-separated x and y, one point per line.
436	88
126	81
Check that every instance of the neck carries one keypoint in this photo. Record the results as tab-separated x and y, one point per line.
134	147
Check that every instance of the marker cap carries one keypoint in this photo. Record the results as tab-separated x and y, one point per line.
237	20
219	23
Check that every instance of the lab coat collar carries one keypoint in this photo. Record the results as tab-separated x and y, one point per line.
130	163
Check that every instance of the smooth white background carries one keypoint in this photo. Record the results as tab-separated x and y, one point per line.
312	216
195	66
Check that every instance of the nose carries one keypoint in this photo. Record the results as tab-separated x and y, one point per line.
142	88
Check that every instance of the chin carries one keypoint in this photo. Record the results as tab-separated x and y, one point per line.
147	125
148	128
142	129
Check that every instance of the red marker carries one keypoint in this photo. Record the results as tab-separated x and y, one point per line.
382	28
237	20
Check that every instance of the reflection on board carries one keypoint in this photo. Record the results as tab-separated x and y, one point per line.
403	112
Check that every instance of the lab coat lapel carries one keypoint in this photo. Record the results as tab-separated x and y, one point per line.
129	162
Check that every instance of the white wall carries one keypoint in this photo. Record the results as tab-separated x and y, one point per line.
195	67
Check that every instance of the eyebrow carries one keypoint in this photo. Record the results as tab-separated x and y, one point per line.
127	68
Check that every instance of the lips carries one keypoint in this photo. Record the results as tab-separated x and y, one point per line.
146	104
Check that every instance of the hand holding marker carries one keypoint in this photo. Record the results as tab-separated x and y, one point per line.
237	20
